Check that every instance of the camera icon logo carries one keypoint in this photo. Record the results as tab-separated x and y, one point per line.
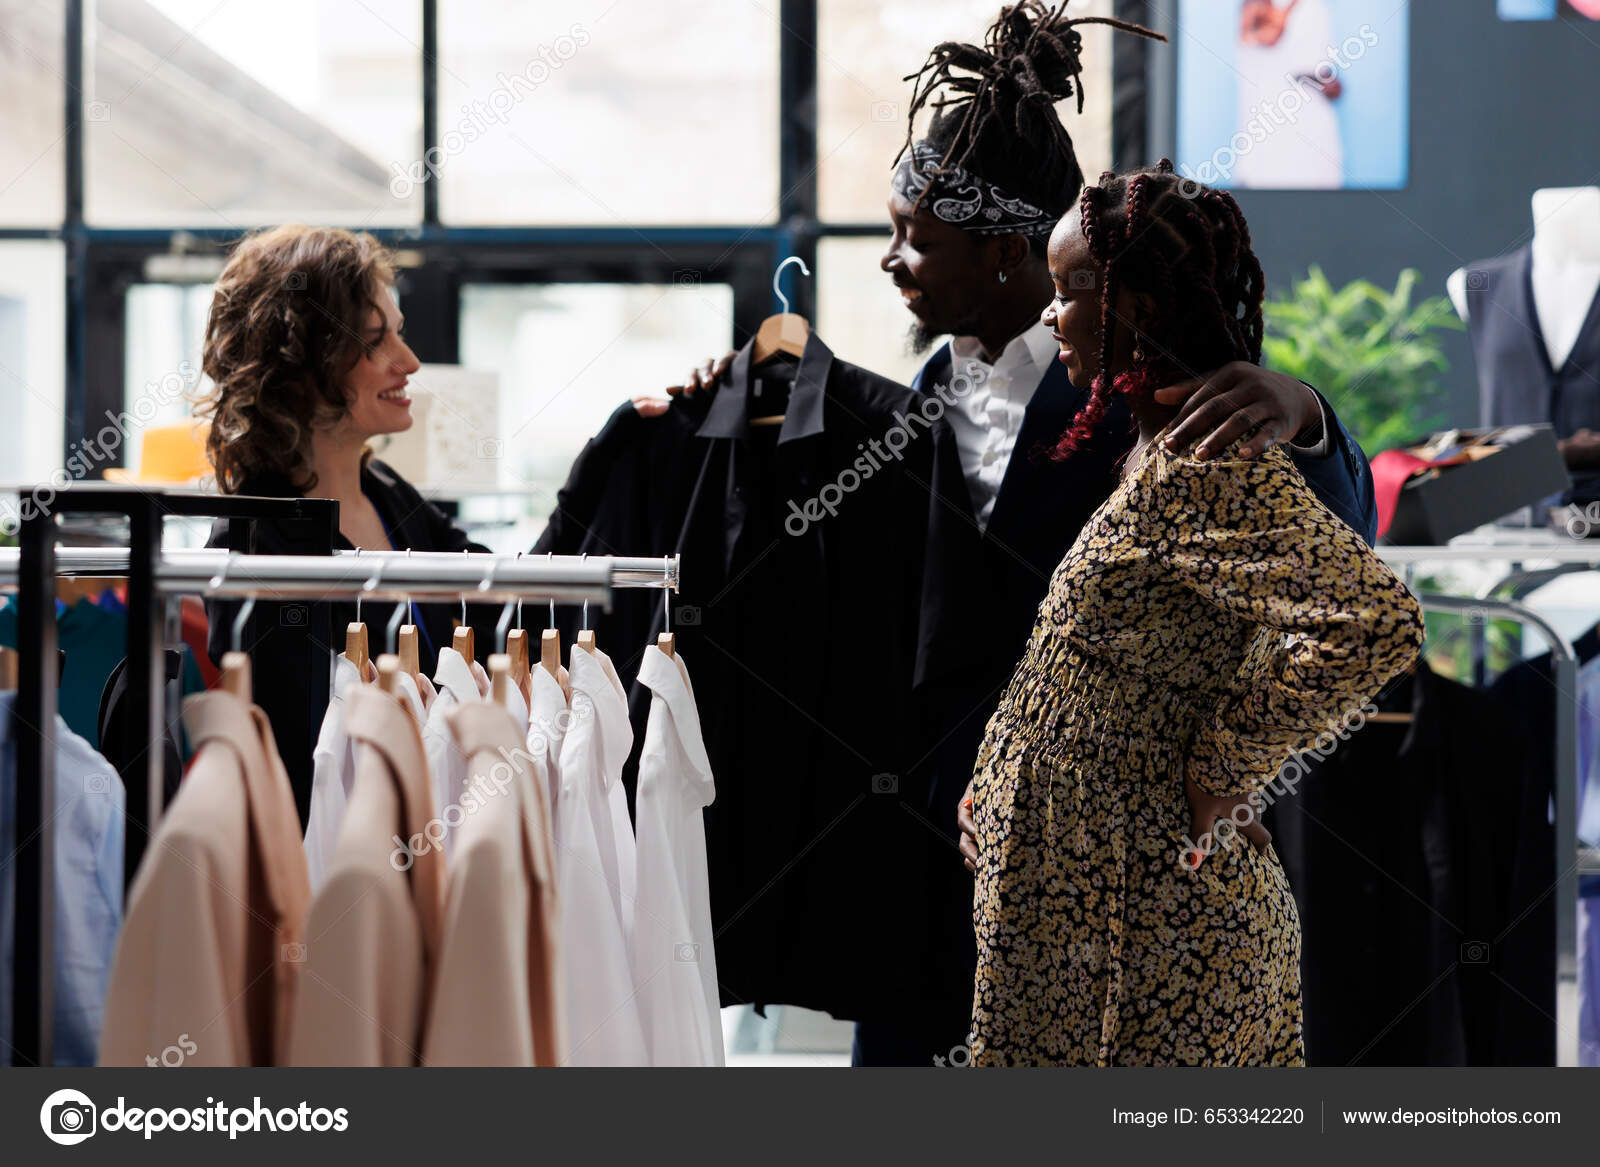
294	953
885	784
295	281
1477	280
687	616
96	784
884	111
97	111
491	448
686	278
1474	952
686	953
1080	280
293	616
67	1117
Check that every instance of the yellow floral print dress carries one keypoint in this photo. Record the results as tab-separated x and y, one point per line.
1212	615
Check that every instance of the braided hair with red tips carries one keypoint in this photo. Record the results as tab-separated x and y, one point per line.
1186	247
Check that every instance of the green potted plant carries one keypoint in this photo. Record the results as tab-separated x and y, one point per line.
1374	355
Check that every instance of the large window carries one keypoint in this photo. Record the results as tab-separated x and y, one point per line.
230	115
607	112
32	348
32	100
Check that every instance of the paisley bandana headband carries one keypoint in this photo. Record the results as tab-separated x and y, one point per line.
964	200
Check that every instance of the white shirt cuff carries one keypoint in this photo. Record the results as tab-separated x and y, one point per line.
1324	447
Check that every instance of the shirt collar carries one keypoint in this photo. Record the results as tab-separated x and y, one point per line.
454	676
727	417
1033	346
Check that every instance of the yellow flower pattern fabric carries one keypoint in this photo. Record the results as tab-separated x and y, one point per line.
1213	617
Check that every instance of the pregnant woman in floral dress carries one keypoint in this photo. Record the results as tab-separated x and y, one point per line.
1212	618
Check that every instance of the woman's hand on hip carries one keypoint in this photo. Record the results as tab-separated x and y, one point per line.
1240	813
969	831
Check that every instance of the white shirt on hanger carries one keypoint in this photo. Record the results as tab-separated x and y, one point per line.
447	767
547	727
596	871
333	770
674	960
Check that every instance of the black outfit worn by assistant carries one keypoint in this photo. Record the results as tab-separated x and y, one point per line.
804	617
282	646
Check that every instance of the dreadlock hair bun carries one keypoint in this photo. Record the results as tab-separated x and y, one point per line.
994	105
1187	248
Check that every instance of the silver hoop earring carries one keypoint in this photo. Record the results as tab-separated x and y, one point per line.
1002	276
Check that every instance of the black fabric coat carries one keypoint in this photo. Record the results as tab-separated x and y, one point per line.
285	640
1406	848
806	633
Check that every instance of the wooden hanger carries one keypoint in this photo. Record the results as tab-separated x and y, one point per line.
388	672
355	647
665	642
586	640
550	652
1393	718
410	657
8	670
236	675
464	643
784	333
499	677
517	650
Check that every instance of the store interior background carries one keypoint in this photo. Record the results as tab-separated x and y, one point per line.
623	220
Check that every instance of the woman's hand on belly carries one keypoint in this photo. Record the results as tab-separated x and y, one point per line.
969	831
1241	812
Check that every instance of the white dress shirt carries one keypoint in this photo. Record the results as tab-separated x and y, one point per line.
447	766
547	726
333	770
596	873
988	418
674	962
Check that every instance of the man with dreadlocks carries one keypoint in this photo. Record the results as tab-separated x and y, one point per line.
971	206
1212	618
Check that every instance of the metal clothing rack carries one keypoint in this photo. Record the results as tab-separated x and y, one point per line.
154	573
33	725
1571	858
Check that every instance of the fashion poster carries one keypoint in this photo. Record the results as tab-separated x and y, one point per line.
1294	94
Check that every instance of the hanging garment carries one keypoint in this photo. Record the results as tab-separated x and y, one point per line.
517	705
1419	920
497	997
287	639
455	685
124	739
214	935
674	955
372	938
87	819
547	727
596	872
807	598
333	772
93	639
1211	618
